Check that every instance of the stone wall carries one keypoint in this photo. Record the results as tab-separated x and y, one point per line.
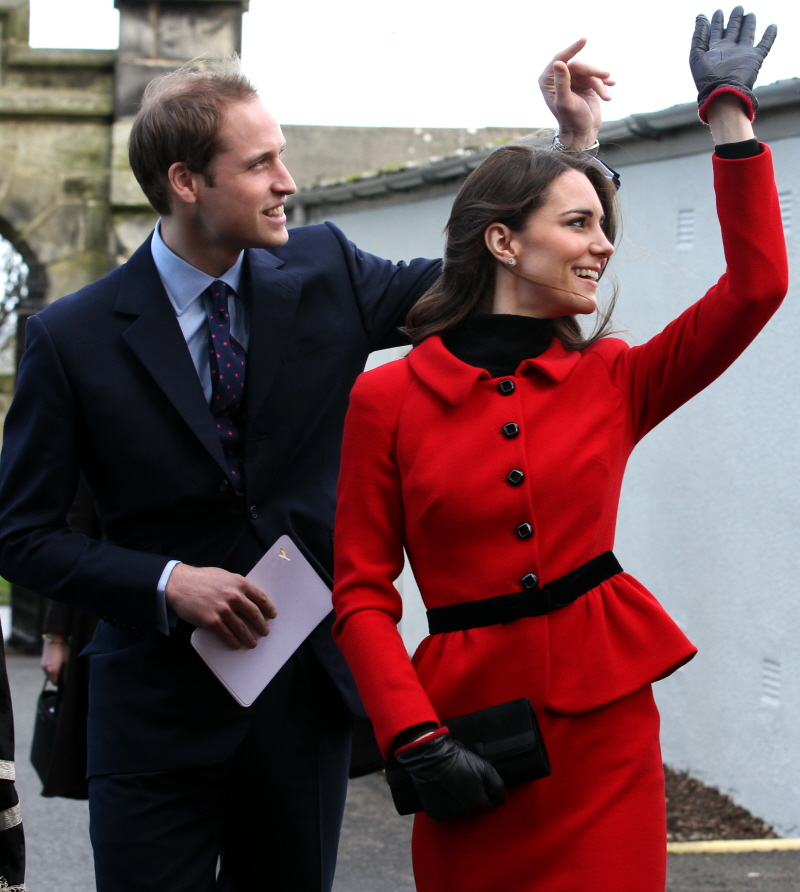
55	108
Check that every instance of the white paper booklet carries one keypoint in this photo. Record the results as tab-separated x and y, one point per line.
302	600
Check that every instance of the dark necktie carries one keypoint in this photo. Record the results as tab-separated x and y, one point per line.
227	364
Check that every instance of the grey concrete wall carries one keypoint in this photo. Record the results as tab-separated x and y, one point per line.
711	505
710	513
315	155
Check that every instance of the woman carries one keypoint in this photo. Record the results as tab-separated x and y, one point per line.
494	453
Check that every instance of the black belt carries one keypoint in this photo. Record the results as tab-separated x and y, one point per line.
537	602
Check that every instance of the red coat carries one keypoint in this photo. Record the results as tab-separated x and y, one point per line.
424	468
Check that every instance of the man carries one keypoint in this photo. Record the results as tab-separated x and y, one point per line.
198	460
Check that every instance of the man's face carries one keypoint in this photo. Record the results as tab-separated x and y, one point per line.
244	207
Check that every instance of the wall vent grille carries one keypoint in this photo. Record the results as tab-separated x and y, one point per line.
785	199
686	229
770	682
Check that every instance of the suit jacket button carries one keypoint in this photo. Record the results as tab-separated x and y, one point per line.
506	386
524	531
515	477
529	581
510	430
253	512
224	484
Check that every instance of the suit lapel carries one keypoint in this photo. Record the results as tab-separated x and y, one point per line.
155	337
274	295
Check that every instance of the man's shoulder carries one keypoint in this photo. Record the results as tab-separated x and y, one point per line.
311	245
89	299
95	297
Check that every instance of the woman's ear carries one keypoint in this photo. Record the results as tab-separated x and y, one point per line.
500	242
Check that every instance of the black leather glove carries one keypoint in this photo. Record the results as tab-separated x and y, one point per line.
726	58
452	781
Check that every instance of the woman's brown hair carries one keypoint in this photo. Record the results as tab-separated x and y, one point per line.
508	187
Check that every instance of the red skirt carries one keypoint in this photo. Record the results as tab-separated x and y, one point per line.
597	823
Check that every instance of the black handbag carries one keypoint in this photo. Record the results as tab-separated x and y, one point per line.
44	730
506	735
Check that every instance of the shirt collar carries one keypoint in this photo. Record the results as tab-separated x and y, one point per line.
453	379
183	282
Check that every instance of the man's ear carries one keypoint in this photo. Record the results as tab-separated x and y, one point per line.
500	241
183	182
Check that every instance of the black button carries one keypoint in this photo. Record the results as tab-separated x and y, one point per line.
506	386
253	512
524	531
515	477
529	581
224	484
510	430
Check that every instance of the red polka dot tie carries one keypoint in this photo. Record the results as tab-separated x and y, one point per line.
227	364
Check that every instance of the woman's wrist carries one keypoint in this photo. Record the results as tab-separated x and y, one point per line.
728	120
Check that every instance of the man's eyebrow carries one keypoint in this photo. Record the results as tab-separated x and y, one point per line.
262	155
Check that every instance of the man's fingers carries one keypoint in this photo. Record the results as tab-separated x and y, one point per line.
572	50
260	598
246	630
579	68
227	604
599	87
562	82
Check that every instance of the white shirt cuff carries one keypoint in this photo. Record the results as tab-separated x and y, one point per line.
166	618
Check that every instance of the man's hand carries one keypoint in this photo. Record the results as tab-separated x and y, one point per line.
55	653
230	606
572	90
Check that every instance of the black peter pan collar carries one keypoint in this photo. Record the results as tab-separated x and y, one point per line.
498	342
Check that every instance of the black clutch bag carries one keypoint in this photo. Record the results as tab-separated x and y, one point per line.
44	731
506	735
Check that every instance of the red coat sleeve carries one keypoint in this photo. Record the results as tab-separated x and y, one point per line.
694	349
368	544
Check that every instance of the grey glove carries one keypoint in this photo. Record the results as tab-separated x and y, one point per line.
726	58
452	781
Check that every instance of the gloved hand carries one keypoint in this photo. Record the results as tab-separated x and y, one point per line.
725	58
452	781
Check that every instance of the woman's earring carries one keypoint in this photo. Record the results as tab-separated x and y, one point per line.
511	261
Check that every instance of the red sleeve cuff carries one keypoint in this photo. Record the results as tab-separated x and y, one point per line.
415	744
746	100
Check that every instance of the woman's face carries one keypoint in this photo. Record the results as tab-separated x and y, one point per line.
558	256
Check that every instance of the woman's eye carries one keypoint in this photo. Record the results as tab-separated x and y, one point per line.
579	222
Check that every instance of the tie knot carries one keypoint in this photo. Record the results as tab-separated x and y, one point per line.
220	289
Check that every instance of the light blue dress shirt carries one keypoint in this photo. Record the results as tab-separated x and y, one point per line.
185	286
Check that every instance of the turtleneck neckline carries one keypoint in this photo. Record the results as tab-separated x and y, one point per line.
498	342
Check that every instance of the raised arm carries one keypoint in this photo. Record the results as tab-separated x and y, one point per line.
573	90
703	341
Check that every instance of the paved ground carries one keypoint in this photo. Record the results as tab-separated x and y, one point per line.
374	855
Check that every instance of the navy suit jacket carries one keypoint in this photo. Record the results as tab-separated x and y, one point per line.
107	387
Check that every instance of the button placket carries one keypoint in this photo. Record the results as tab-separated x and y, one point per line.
515	477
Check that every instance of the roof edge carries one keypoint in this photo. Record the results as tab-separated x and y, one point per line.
646	126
